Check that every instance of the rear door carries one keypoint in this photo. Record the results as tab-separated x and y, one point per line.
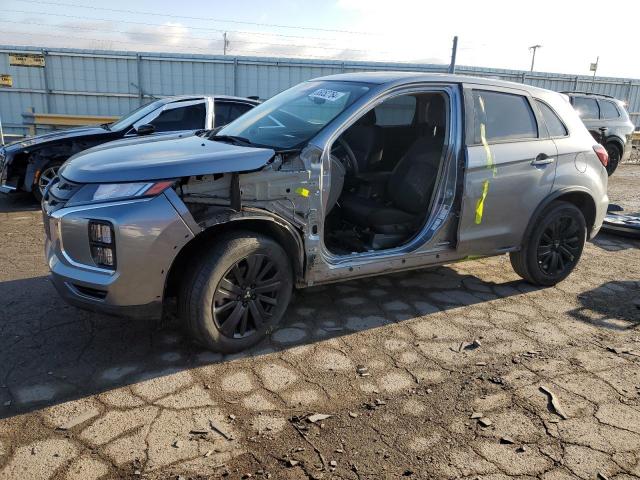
510	168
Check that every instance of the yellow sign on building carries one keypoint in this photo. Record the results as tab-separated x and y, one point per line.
26	60
6	80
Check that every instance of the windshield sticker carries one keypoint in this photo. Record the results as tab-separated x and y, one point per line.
326	94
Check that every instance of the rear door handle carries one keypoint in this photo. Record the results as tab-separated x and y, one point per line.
543	159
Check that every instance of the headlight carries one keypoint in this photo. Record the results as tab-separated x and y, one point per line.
108	192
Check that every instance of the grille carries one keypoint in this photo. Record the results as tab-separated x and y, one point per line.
59	194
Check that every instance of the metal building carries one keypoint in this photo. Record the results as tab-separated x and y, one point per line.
94	82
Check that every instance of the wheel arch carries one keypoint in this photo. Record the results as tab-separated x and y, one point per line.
37	161
579	197
271	225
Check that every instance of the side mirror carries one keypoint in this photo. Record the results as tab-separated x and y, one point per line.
146	129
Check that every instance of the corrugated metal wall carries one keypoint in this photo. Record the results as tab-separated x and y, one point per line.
88	82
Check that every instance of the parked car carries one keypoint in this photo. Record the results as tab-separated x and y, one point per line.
31	164
608	121
337	178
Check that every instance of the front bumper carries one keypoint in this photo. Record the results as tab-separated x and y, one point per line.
8	182
148	234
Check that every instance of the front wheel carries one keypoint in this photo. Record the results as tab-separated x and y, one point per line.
237	293
48	173
554	246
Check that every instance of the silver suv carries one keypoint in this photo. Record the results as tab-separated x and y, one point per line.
337	178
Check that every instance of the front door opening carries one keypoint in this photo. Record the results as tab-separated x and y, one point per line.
384	170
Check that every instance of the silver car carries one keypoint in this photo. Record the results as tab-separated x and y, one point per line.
340	177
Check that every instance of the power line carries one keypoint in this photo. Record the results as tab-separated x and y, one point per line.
211	19
209	29
226	41
186	47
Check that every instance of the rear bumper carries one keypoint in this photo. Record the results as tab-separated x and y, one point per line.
148	235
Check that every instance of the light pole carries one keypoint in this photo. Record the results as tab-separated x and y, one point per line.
533	57
225	43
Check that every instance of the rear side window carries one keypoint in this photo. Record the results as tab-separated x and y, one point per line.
587	108
181	118
554	124
608	109
503	117
238	109
222	113
396	112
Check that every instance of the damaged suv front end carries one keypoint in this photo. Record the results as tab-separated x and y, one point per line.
121	214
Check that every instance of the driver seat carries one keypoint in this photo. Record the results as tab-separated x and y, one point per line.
409	192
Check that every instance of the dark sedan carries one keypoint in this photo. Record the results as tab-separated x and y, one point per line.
32	163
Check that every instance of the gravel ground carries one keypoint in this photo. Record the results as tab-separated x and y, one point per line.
456	372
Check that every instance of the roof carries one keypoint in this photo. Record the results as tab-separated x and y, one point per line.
183	98
392	77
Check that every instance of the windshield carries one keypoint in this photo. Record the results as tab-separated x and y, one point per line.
132	117
294	116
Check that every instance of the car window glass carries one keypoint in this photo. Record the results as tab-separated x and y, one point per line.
587	108
293	117
608	109
222	113
397	111
132	117
502	116
182	118
554	124
238	109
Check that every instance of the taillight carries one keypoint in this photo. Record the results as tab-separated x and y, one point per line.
602	154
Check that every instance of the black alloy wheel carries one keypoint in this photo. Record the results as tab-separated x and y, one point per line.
560	246
247	295
552	248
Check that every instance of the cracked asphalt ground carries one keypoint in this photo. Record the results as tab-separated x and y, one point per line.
392	359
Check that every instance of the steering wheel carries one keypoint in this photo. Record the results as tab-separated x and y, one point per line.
342	150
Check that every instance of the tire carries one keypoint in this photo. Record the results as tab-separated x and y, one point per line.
614	157
226	305
554	246
50	168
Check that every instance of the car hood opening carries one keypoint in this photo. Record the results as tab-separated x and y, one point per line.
161	158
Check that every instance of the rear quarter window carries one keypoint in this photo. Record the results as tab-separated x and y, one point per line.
608	110
503	117
555	126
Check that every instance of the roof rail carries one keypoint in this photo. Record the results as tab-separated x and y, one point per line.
567	92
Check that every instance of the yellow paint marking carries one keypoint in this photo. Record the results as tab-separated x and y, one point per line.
480	204
303	192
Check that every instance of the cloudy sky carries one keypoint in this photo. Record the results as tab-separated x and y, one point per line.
492	33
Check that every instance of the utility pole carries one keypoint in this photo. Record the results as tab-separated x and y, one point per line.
594	68
454	51
225	43
533	58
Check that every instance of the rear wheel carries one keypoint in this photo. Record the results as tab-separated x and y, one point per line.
554	247
614	158
237	293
